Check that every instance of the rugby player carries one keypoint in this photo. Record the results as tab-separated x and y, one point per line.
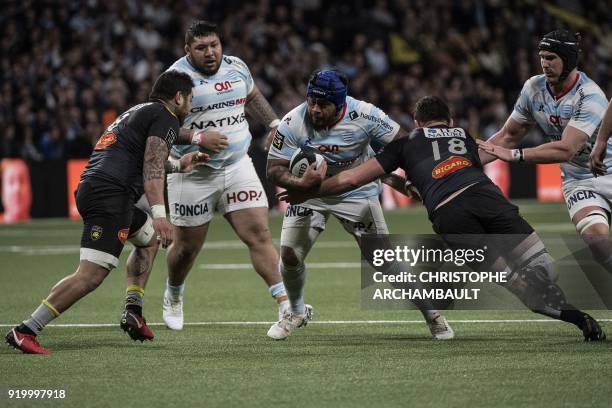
444	168
568	107
228	183
128	160
340	128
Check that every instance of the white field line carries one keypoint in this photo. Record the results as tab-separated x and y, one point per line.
332	322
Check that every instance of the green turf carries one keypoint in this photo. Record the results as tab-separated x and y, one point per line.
394	364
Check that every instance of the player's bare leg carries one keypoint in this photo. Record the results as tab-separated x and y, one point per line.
592	225
251	226
180	257
64	294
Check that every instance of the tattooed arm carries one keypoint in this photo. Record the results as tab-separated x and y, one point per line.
258	106
153	175
278	172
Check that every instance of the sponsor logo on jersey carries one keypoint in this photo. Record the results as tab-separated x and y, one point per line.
298	211
434	133
375	119
287	120
353	115
279	140
580	196
96	232
190	210
106	140
449	166
219	105
242	196
226	121
223	86
327	148
123	235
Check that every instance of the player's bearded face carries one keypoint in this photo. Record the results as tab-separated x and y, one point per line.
552	66
321	111
205	53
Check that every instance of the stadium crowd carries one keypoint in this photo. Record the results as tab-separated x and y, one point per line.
68	68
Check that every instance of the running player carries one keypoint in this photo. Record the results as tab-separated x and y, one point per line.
228	183
341	129
443	165
128	159
568	107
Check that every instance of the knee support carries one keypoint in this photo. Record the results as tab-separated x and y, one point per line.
592	218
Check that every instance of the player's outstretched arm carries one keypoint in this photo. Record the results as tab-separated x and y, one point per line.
598	154
508	137
553	152
258	106
153	175
338	184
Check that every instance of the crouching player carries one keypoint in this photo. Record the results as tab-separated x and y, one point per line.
130	158
443	165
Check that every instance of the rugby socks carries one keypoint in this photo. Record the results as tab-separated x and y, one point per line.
175	292
573	316
133	299
278	292
294	278
40	318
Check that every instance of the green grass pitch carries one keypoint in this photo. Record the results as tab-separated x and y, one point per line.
327	364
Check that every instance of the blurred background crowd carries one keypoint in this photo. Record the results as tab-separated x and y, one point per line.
69	67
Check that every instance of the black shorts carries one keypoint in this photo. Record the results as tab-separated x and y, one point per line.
109	215
481	216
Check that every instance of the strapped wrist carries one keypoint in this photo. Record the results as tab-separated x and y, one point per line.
158	211
197	138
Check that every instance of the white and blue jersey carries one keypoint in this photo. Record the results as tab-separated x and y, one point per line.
582	107
218	104
344	145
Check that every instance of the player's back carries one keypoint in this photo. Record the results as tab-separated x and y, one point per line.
437	160
119	153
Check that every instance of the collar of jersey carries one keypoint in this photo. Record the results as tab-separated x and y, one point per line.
566	91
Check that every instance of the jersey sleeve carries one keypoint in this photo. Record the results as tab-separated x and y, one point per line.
380	126
165	126
389	157
284	143
589	113
244	72
522	108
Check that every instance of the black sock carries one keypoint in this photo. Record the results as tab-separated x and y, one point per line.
134	309
573	316
22	328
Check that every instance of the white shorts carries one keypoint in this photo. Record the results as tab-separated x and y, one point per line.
358	216
595	191
193	197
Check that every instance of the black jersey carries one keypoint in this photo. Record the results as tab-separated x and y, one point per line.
438	160
118	155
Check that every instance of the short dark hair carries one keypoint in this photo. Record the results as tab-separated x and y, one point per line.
169	83
430	108
200	28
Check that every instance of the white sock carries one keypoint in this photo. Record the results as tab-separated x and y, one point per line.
40	318
175	292
294	278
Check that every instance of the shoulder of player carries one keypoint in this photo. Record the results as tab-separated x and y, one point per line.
589	87
230	61
360	112
295	118
535	84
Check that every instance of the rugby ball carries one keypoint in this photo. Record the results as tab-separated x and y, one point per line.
302	158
